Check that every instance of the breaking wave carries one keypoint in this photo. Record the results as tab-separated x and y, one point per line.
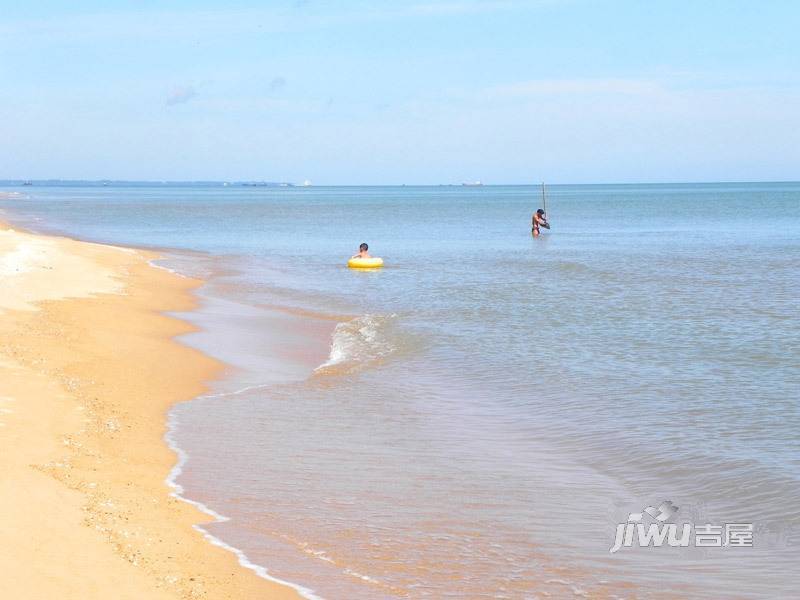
359	342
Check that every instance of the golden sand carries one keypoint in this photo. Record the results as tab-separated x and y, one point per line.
88	369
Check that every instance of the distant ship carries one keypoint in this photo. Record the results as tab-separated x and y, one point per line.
472	184
27	183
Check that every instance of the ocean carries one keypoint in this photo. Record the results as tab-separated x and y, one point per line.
477	418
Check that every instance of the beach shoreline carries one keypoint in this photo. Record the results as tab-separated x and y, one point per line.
455	429
90	368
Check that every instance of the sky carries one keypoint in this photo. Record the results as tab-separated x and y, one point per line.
390	92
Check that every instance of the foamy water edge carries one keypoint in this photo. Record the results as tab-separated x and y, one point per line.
178	491
366	327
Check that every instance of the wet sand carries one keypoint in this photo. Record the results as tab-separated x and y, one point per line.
88	370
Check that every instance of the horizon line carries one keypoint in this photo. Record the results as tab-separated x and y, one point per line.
272	183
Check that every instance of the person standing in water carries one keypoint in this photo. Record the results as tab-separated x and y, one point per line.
538	220
362	251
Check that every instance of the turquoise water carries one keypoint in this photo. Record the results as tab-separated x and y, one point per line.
475	419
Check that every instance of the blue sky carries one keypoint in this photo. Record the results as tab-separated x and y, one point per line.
565	91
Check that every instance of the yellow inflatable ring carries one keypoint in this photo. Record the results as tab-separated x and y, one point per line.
365	263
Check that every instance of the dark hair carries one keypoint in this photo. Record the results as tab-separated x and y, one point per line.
363	247
540	211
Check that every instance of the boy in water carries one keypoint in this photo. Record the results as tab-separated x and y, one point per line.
362	252
537	221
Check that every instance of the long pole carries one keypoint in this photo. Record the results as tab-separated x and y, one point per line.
544	201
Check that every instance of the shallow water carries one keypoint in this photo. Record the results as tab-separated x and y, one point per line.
475	419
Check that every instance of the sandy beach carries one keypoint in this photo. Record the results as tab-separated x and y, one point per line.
88	369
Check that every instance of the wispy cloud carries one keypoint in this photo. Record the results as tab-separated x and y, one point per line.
181	95
276	84
177	24
464	7
540	87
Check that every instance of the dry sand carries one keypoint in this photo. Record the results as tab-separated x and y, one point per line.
88	369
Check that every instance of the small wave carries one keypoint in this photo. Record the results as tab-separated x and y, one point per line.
155	263
359	342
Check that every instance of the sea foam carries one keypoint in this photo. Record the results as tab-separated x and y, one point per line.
359	342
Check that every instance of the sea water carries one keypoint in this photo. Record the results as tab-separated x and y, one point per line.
476	419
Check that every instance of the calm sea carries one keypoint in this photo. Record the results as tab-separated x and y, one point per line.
475	419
